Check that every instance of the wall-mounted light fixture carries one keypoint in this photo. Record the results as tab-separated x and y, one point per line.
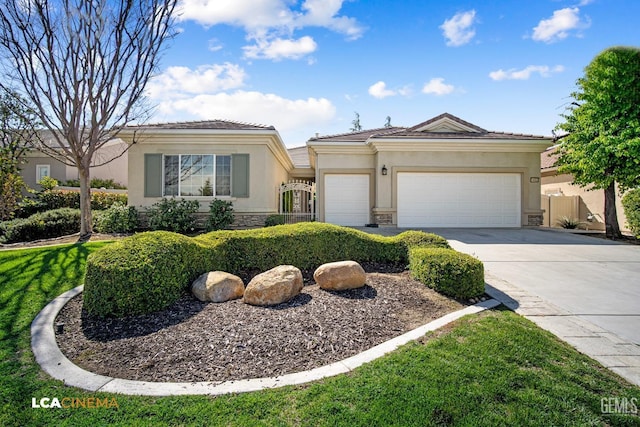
384	170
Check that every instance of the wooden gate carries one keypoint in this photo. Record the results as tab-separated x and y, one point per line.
298	201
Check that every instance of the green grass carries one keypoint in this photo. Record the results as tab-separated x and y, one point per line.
489	370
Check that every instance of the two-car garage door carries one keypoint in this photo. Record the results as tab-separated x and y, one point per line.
458	200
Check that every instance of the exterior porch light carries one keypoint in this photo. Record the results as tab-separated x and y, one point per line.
384	169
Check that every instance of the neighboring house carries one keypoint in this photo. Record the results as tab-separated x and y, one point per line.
572	200
38	165
444	172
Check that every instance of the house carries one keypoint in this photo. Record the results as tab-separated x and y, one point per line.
39	165
444	172
562	198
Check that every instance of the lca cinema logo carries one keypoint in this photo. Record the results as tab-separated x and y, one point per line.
73	403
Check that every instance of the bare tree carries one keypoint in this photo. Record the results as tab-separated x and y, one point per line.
84	66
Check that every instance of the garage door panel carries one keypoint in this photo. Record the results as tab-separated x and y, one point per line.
458	200
347	199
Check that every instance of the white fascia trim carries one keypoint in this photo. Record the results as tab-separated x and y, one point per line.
462	145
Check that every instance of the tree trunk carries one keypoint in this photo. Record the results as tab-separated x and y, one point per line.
86	223
610	213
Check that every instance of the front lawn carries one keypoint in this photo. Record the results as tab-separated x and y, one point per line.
488	370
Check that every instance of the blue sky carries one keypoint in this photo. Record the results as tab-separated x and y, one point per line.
307	66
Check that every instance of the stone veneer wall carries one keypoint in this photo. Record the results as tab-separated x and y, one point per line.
534	220
248	220
383	219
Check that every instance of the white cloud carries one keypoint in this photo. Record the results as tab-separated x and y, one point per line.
379	90
525	73
277	49
179	81
214	92
214	45
559	25
269	16
256	107
459	29
437	86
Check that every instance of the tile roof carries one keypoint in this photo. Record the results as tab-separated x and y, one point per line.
360	136
413	133
300	156
548	158
204	124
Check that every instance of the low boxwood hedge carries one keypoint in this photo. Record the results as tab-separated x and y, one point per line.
143	273
42	225
447	271
149	271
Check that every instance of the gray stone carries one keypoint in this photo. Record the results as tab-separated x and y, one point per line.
275	286
217	286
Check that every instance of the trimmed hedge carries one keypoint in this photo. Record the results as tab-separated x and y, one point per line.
309	244
149	271
142	273
631	204
100	200
43	225
447	271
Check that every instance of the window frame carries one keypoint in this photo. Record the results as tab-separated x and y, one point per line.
39	176
213	183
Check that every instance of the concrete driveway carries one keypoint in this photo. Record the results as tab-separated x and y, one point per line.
594	279
583	289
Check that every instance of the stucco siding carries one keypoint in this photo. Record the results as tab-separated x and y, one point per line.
265	174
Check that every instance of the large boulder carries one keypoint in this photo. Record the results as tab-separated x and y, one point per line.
217	286
275	286
339	276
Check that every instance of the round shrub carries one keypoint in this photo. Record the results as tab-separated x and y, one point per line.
274	220
119	218
447	271
220	215
631	204
171	214
142	273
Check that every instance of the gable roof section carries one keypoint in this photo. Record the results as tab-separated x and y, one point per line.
446	123
442	127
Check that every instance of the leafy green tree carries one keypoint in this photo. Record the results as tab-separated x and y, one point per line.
601	147
356	124
18	130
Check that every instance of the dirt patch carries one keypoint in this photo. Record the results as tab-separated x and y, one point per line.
195	341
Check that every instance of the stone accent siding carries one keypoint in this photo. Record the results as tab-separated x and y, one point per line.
248	220
534	220
383	219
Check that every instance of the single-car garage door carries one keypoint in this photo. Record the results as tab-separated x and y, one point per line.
459	200
346	199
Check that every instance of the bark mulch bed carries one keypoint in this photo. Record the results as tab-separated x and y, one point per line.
195	341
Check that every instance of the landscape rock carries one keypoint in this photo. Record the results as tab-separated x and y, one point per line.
275	286
339	276
217	286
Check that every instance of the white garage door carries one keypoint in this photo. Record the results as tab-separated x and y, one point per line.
458	200
346	199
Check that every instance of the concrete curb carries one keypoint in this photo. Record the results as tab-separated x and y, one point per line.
54	363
